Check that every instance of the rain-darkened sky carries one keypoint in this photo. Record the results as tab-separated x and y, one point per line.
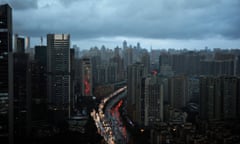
179	24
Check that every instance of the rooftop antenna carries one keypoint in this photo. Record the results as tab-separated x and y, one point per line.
41	40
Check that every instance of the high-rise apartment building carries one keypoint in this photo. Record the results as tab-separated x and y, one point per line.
6	75
145	59
193	90
135	73
219	97
58	68
153	100
178	91
119	63
217	67
127	54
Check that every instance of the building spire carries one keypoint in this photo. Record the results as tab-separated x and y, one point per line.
41	40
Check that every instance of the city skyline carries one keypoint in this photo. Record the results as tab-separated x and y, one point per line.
158	24
56	93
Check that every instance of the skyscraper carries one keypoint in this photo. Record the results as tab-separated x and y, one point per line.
210	98
86	77
135	73
19	44
178	91
6	75
153	100
120	64
145	59
38	87
22	98
58	68
219	97
27	43
127	55
125	45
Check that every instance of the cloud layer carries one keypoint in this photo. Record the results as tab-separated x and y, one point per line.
155	19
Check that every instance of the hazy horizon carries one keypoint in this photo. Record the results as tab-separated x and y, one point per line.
157	24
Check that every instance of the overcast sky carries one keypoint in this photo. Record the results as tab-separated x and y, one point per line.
179	24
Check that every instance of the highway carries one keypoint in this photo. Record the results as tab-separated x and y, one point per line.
107	118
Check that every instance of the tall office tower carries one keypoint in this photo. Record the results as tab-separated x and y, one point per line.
41	56
19	44
138	46
27	43
72	76
153	99
77	79
96	60
86	77
125	45
135	73
38	87
58	68
145	59
178	91
22	99
6	75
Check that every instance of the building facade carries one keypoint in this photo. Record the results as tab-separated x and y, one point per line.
6	74
153	99
86	77
135	73
219	97
58	69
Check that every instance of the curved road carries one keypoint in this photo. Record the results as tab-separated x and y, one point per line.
107	118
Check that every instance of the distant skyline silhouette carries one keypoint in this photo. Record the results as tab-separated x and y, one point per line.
159	23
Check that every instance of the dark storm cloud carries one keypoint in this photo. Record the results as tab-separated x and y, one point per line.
167	19
22	4
68	2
